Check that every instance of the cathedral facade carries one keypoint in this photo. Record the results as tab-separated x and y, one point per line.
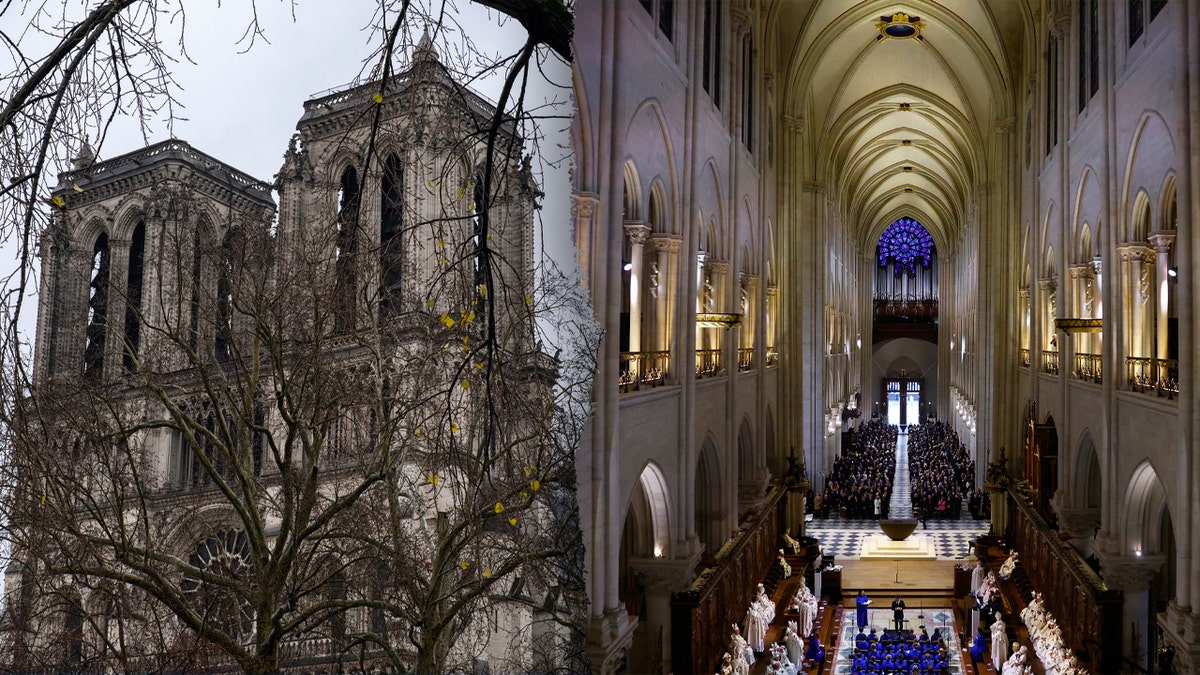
743	169
309	433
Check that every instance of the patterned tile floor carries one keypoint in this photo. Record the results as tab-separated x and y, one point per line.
933	617
951	538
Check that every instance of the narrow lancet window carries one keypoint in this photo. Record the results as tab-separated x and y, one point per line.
93	352
133	297
391	239
346	278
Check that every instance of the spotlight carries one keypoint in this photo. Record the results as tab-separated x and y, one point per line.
1173	272
627	266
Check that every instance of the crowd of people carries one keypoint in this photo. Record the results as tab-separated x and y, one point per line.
861	479
940	470
900	653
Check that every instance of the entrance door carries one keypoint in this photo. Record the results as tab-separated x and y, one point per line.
903	396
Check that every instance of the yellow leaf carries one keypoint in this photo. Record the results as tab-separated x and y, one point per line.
487	573
464	564
443	261
433	479
467	317
429	184
478	366
535	484
441	244
378	98
447	320
77	188
43	500
460	191
528	300
483	290
58	201
528	470
466	384
417	433
499	507
512	521
453	428
524	495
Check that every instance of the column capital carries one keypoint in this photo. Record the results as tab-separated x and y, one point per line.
813	186
583	204
637	231
1005	126
1130	574
1161	240
772	290
1048	284
794	124
669	573
1082	271
750	281
717	266
1135	251
668	243
1023	293
1076	522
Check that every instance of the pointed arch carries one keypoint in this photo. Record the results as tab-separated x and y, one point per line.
649	505
709	506
1088	481
1143	507
1139	220
632	193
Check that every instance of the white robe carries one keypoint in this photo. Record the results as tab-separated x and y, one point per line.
795	648
999	644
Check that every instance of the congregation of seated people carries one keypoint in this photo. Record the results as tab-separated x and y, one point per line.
895	655
862	474
940	470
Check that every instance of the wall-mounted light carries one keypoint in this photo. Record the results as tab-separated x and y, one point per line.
1173	272
1138	552
657	552
626	265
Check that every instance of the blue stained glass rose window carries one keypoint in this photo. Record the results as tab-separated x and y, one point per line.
905	243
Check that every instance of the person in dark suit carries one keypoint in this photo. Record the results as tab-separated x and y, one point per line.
898	612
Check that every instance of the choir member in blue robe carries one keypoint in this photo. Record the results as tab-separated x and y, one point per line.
860	604
815	652
979	647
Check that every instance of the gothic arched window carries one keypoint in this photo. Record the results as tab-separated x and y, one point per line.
346	276
222	341
133	296
391	226
93	351
225	555
905	243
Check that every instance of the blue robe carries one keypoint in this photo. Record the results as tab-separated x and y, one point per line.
861	604
978	648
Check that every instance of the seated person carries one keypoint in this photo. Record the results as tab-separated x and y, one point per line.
862	635
872	637
937	634
924	636
815	652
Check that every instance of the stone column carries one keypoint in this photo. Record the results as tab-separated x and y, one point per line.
770	339
750	311
1026	319
583	214
637	231
1132	576
1048	288
662	577
718	271
1161	240
666	248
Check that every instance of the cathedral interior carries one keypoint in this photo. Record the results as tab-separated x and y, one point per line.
805	221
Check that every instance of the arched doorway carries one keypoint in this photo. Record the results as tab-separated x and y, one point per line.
709	509
1148	537
645	536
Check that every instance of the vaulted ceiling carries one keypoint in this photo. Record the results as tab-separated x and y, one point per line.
901	125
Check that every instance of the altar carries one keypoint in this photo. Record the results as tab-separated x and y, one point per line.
917	546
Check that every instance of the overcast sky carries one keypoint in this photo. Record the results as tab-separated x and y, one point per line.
243	107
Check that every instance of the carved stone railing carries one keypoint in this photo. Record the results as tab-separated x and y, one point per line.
745	359
641	370
1088	367
1025	358
1087	611
906	310
703	615
1050	362
1153	376
708	363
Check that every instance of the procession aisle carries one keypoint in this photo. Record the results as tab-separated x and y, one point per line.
900	505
